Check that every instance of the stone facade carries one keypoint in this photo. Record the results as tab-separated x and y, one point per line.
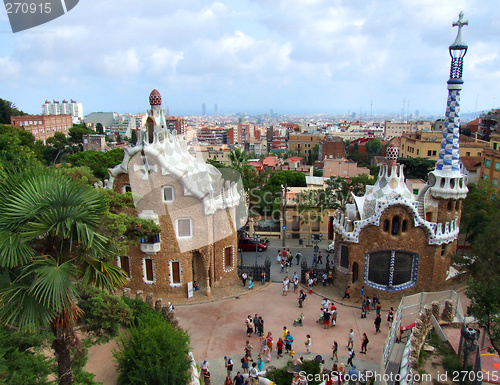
195	208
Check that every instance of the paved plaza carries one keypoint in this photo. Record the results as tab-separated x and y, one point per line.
217	329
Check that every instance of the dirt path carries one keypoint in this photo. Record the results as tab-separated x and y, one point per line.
102	363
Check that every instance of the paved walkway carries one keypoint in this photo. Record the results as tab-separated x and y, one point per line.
218	329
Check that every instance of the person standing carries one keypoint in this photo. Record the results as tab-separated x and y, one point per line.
250	282
248	323
295	283
279	347
308	344
302	298
261	326
269	342
390	317
255	323
377	323
334	315
244	364
362	294
260	363
364	343
248	351
324	278
205	374
378	308
254	375
335	349
368	302
298	256
278	257
228	363
314	260
263	276
288	342
320	258
286	282
350	341
228	381
244	278
326	317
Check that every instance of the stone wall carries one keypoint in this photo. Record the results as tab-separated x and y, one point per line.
432	266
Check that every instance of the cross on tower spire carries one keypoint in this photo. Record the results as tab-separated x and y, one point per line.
459	23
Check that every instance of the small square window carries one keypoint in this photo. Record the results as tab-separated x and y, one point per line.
184	228
434	153
168	193
429	153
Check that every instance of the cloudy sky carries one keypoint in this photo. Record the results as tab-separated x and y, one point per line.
302	56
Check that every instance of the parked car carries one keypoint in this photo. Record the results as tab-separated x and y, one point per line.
250	244
331	247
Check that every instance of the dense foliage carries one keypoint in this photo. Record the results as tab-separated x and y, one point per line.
98	162
153	352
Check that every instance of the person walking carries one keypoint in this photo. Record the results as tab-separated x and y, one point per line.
334	315
286	282
238	379
350	357
347	293
378	307
244	279
362	294
320	258
295	283
308	344
260	363
377	323
368	303
260	326
298	256
335	349
250	282
364	343
350	341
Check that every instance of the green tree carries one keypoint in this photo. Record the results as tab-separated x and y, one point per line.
133	138
484	285
373	148
99	162
76	133
8	109
313	155
417	168
239	159
49	242
17	148
99	129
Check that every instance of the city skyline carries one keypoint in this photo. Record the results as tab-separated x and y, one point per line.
301	57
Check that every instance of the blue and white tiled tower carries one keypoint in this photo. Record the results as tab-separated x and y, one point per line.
447	180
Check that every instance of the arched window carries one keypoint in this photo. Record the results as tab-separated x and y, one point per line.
395	225
404	226
151	128
344	256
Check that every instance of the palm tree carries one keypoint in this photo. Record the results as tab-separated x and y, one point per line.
239	159
49	243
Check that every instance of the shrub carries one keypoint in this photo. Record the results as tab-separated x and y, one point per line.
104	313
153	352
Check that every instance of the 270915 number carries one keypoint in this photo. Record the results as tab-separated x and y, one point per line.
28	8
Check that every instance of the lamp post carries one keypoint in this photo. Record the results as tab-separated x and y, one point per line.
284	190
315	239
257	241
469	337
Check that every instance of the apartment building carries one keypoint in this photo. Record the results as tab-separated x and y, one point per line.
43	126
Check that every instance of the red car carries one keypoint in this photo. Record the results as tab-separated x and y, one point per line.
249	244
